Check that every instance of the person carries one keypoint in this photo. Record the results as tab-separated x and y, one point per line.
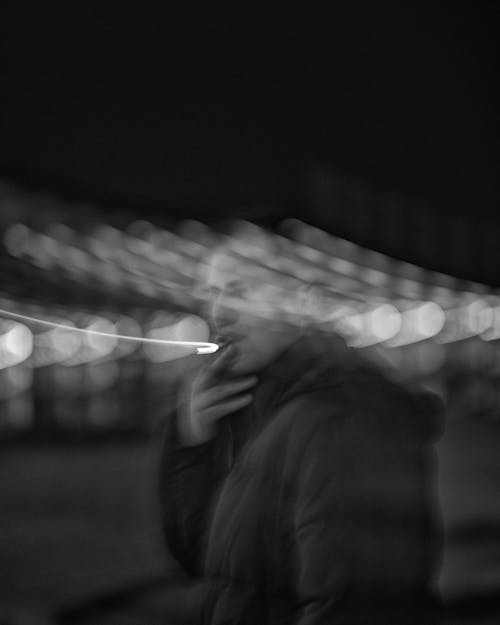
297	479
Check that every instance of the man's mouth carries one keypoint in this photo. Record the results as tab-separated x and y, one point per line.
227	338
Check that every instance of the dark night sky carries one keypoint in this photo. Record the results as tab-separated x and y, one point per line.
202	106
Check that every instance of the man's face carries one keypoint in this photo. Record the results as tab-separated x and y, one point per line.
243	313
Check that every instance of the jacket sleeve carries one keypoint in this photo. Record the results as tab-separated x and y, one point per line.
189	480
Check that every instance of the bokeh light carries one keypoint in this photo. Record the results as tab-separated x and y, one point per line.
16	344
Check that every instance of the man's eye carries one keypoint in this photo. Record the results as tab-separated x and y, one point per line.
238	292
235	289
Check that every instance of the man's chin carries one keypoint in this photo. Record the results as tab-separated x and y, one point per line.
243	363
239	364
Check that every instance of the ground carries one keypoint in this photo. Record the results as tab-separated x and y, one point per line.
81	520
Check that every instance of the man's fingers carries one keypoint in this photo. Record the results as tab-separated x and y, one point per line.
210	402
227	407
218	393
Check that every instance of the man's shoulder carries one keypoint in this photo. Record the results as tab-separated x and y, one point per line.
362	397
332	389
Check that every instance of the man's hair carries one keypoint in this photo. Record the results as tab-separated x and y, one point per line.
286	297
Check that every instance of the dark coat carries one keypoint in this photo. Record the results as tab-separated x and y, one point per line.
314	505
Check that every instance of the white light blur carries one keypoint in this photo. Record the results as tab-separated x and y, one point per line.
374	277
442	296
474	318
479	316
419	323
137	237
332	314
373	326
78	258
106	242
48	244
127	326
342	266
197	232
62	233
311	253
348	322
16	345
19	341
97	343
65	343
429	319
187	326
104	341
56	345
200	347
252	241
192	326
385	322
17	239
408	288
493	332
410	283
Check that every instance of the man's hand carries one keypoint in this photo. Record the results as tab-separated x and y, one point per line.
213	395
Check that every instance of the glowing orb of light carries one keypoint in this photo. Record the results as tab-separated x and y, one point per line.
128	326
429	319
349	321
19	341
493	331
65	343
479	316
421	321
374	277
16	345
471	319
384	322
193	328
137	236
190	326
17	239
104	342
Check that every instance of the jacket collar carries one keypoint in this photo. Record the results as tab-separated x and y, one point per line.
303	365
310	350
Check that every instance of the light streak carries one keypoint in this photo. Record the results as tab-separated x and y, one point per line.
201	347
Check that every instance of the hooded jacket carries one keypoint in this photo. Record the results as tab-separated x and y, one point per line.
316	504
